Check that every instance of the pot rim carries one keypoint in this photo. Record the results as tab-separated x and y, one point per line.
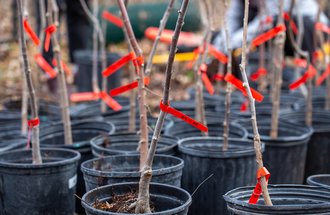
161	171
172	211
311	181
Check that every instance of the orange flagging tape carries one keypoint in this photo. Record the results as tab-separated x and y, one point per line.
262	172
239	85
182	116
28	29
262	38
112	19
310	73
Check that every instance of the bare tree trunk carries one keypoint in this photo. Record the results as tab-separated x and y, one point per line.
226	121
53	10
162	26
101	39
36	156
95	82
256	140
143	144
278	62
146	174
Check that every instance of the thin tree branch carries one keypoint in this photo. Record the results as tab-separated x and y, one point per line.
256	140
143	197
36	156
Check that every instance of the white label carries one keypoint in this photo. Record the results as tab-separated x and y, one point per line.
72	181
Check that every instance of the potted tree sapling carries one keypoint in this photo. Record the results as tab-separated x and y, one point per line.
228	160
244	200
28	176
125	166
140	203
315	161
279	136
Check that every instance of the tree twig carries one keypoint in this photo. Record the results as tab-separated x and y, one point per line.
53	9
226	121
256	140
146	173
36	156
143	144
162	25
278	62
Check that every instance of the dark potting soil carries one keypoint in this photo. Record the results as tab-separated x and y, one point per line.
124	203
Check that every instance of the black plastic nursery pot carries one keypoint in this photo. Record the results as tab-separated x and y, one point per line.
48	111
204	157
92	110
12	142
84	60
167	199
287	199
318	159
127	143
318	103
40	189
321	180
122	123
285	156
184	130
82	132
125	168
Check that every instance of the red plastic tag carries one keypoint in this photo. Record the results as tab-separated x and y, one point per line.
85	96
196	52
322	27
180	115
221	57
44	65
292	24
262	172
268	20
310	73
138	61
113	104
28	29
207	83
49	30
218	77
185	38
260	72
244	106
300	62
262	38
112	19
239	85
31	124
324	75
66	69
118	64
119	90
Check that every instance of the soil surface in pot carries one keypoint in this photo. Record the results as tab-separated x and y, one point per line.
124	203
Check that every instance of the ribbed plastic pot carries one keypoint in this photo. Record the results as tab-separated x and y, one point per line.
125	168
285	156
318	159
127	143
203	157
287	199
318	103
82	132
321	180
184	130
122	123
264	108
43	189
48	111
92	110
12	142
167	199
84	60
